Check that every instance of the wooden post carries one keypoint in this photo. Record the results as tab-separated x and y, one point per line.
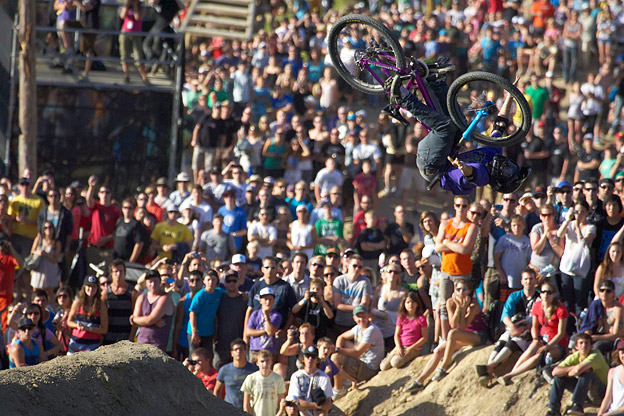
27	151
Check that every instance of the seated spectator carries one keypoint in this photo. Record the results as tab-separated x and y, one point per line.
312	400
612	269
604	321
582	371
517	319
467	328
295	347
264	391
232	375
200	364
359	351
548	329
410	334
51	345
613	402
386	302
25	351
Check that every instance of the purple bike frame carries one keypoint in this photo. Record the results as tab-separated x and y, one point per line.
414	82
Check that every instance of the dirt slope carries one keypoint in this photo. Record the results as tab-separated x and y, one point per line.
121	379
457	394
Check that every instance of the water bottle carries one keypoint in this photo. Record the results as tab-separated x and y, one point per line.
583	314
549	359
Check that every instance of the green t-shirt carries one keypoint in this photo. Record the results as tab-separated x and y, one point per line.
598	363
539	96
326	228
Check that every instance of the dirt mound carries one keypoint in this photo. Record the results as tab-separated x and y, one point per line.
459	393
120	379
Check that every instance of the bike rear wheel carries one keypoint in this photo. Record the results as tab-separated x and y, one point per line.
470	93
365	52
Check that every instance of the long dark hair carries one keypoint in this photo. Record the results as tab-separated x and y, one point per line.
91	306
414	297
42	329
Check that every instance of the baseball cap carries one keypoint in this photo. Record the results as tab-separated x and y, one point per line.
334	251
266	292
76	184
539	191
25	323
161	181
588	136
351	115
239	258
564	184
301	208
360	309
619	174
254	178
549	74
360	113
269	180
310	351
91	280
172	208
348	252
231	273
541	123
215	170
152	274
525	196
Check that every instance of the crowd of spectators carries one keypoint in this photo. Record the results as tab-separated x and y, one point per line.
271	271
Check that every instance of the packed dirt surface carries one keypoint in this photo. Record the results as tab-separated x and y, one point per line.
458	393
120	379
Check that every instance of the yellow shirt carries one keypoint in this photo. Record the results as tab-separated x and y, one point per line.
171	234
264	392
28	208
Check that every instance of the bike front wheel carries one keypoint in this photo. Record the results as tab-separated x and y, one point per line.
365	52
508	118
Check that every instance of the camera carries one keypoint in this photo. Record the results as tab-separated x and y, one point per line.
293	331
313	295
290	403
192	362
196	255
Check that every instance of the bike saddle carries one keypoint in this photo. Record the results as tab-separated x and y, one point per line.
394	112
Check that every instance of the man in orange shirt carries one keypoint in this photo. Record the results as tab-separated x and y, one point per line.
541	10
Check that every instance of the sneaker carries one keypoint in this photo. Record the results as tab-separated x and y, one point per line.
439	374
575	409
393	86
504	381
484	381
481	370
547	374
394	112
339	393
552	412
413	387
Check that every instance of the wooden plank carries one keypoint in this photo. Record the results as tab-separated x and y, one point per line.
222	10
217	32
218	21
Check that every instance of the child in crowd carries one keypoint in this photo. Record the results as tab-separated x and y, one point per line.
410	334
200	364
263	324
264	391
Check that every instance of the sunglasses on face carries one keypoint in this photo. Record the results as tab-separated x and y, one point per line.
578	189
591	189
270	267
605	290
567	191
328	274
546	214
231	281
510	200
547	292
461	205
461	289
317	264
476	213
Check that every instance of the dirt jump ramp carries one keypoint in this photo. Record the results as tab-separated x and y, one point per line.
120	379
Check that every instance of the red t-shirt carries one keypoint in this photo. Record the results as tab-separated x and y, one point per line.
366	184
551	327
495	6
7	274
103	220
209	379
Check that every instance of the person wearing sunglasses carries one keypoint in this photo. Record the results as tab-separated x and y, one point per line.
564	202
546	245
604	320
350	289
455	242
104	216
549	319
25	351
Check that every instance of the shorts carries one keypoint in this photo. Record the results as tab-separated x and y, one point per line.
393	159
358	370
203	158
126	43
78	346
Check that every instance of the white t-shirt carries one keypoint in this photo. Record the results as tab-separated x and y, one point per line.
203	211
302	384
263	231
326	179
264	392
367	151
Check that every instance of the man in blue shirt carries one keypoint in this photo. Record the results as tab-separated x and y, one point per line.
234	218
203	313
233	375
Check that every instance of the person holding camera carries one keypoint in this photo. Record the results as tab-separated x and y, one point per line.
317	311
310	388
200	364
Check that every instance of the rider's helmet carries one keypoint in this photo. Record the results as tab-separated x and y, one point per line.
505	175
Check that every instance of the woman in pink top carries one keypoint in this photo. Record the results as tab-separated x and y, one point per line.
410	333
132	15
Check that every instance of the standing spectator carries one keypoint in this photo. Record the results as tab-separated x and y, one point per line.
399	233
181	193
264	391
264	233
215	243
350	289
607	228
203	310
48	275
328	229
104	216
571	45
182	314
262	326
592	105
364	185
60	216
298	279
234	218
207	138
130	235
202	211
455	241
152	45
120	298
327	178
172	238
132	15
368	151
232	375
539	97
546	245
512	254
153	312
582	371
302	235
370	243
588	164
88	318
9	260
535	153
230	319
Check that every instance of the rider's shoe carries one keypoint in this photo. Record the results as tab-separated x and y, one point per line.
393	111
500	126
393	86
